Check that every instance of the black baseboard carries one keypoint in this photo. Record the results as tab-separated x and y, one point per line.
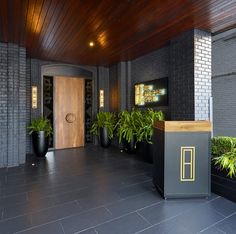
223	185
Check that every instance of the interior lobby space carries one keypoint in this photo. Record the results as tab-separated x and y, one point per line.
117	117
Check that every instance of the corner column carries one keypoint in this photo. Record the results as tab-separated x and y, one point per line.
190	76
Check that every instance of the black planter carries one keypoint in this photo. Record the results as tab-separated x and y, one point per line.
130	146
145	151
104	139
40	143
223	185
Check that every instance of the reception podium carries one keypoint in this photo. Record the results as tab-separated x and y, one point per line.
182	158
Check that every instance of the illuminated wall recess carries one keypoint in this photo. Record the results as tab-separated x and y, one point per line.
187	163
34	97
101	98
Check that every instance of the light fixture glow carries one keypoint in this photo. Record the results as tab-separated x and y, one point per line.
101	98
91	44
34	97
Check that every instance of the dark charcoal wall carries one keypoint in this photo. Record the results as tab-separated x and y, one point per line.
150	67
12	104
190	72
113	89
187	64
224	83
182	75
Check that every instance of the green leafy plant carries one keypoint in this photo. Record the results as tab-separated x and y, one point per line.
224	154
222	144
127	125
145	124
137	124
41	124
227	161
104	119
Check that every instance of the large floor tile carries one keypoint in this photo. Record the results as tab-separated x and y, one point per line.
15	225
228	225
134	203
128	224
188	222
168	209
51	228
28	207
223	206
135	189
54	213
85	220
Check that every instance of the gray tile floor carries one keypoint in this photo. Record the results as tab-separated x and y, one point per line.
93	190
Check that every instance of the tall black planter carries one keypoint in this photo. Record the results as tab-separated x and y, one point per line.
104	137
130	146
40	143
145	151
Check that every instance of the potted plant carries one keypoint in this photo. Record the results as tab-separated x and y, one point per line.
104	127
224	166
41	130
127	129
145	129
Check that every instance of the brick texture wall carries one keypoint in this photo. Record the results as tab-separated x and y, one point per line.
182	77
190	76
202	74
152	66
224	83
13	105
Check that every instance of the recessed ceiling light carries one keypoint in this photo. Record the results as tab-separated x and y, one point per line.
91	44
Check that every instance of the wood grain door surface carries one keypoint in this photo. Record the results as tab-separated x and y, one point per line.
68	112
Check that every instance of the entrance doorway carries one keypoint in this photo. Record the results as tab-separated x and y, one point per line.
68	112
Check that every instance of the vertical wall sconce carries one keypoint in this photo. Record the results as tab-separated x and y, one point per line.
34	97
101	98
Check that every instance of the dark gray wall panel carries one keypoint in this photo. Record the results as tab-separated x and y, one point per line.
113	89
224	83
150	67
224	105
190	69
3	104
13	101
182	77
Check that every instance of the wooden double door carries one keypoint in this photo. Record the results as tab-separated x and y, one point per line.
68	112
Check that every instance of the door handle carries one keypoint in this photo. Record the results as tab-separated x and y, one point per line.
70	118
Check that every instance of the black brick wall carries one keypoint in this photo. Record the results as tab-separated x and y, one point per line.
187	64
150	67
13	105
190	76
224	83
182	77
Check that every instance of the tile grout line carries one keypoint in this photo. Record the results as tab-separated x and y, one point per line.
143	218
62	227
77	201
212	225
108	210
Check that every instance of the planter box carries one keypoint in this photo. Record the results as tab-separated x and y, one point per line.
223	185
145	152
181	159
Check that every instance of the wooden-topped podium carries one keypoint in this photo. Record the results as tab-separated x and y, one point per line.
182	158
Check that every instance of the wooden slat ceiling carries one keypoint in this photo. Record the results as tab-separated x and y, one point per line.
60	30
